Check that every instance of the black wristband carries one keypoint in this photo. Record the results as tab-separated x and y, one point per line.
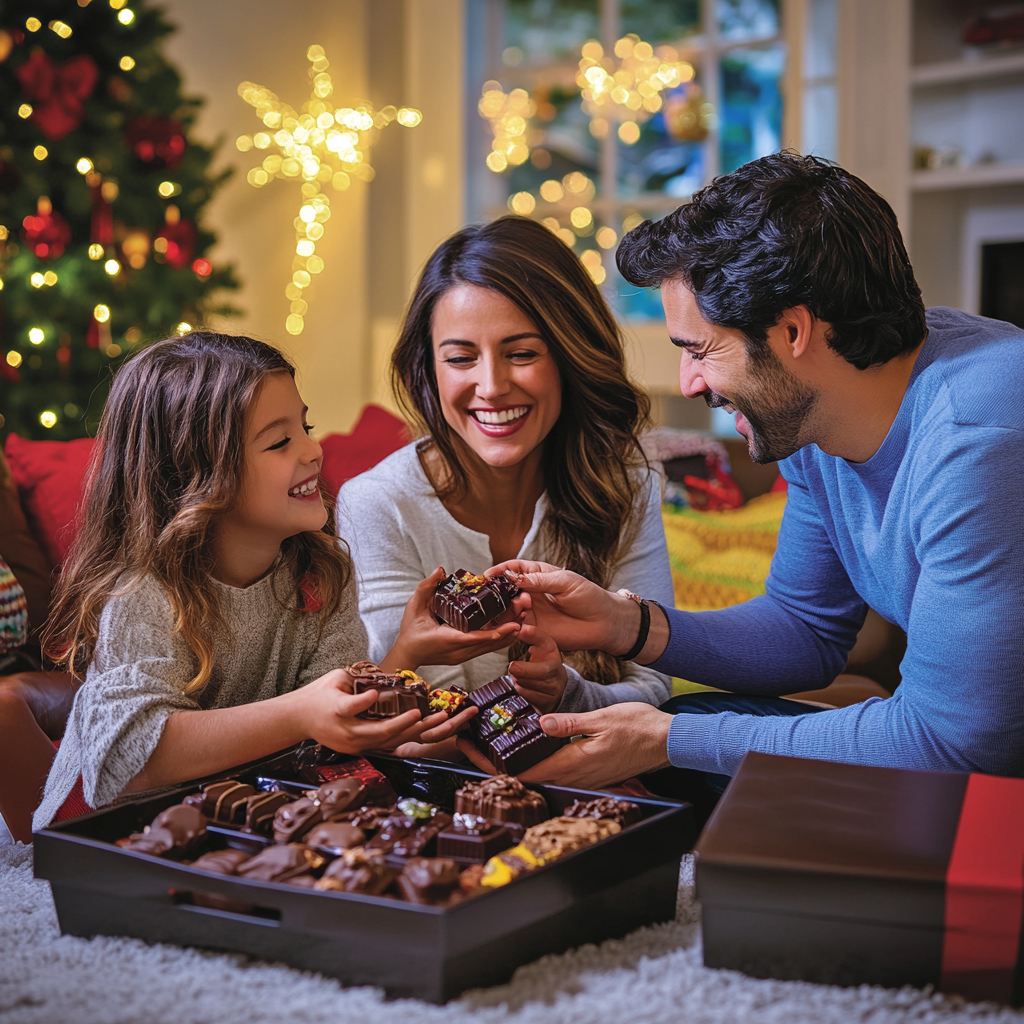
645	628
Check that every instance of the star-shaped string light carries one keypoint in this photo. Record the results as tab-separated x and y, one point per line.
317	144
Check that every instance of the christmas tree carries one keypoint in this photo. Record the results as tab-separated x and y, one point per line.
102	190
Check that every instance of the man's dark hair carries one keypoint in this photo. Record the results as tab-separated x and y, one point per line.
779	232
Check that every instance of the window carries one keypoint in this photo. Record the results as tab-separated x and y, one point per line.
594	115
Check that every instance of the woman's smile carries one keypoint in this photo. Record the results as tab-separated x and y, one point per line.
500	422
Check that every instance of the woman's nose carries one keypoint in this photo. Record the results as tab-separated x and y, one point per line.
493	381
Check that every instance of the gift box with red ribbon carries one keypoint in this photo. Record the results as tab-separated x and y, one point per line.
849	875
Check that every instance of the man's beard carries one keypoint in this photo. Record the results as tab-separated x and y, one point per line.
776	406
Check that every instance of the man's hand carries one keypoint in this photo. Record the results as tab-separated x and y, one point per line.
422	640
620	741
577	614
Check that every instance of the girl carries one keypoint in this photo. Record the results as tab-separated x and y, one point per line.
513	366
206	596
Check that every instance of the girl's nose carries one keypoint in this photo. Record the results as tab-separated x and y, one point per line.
493	381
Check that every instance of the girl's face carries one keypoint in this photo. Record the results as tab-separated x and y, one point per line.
280	496
499	387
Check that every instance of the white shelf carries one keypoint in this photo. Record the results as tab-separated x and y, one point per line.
967	70
980	175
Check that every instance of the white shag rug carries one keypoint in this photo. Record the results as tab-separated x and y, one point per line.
654	975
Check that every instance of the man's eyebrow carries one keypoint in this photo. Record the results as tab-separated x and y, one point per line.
504	341
279	422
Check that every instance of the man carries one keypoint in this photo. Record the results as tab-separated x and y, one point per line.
787	286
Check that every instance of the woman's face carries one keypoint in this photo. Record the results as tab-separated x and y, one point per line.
499	387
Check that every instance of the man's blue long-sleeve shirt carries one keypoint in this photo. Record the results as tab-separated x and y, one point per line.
930	533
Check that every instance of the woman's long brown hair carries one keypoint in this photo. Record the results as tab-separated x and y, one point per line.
592	455
168	464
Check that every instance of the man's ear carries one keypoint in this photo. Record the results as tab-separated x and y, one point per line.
796	325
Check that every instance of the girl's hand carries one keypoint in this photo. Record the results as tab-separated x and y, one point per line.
327	711
577	614
542	679
422	640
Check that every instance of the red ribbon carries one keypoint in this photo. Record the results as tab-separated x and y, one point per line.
985	891
57	91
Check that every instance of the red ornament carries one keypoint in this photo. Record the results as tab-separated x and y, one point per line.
47	233
175	241
102	227
158	141
202	267
57	91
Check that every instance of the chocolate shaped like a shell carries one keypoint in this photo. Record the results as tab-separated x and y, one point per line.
467	602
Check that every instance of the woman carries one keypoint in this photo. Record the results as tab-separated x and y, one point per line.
512	365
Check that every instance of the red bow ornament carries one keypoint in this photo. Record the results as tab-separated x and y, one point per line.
57	91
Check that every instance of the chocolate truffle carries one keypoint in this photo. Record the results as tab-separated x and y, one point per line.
358	870
224	802
279	863
261	809
401	837
177	831
471	839
367	818
429	879
154	841
625	812
468	602
293	820
451	699
502	798
221	862
334	836
560	836
507	866
398	693
507	729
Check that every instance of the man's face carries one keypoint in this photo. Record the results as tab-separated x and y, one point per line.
772	406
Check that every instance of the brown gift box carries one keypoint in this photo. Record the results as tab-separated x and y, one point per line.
848	875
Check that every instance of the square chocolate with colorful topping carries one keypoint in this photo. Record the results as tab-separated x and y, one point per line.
467	602
398	693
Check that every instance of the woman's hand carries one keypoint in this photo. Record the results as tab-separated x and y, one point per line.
542	679
422	640
327	711
578	615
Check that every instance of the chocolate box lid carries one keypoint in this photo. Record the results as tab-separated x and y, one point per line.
796	814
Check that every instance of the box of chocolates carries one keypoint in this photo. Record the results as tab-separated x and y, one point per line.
420	877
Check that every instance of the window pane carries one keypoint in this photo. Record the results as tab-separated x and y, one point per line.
820	44
538	32
819	117
751	114
747	19
660	21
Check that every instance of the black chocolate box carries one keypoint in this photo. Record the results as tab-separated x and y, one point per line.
427	952
849	875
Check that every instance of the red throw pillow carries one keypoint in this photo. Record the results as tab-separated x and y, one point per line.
49	476
377	434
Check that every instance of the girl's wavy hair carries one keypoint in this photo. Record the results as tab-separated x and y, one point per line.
167	465
592	455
